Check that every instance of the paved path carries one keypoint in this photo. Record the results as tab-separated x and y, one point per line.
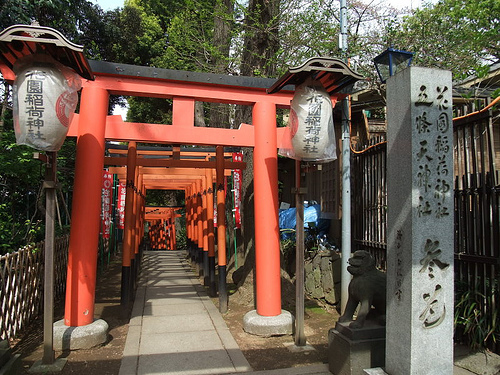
176	329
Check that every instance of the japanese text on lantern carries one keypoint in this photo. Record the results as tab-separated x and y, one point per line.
35	106
434	161
313	124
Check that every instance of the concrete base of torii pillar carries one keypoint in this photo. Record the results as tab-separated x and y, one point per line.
83	337
267	326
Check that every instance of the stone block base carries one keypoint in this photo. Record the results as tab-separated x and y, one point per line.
350	351
84	337
267	326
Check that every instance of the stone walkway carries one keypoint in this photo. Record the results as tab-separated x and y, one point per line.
176	329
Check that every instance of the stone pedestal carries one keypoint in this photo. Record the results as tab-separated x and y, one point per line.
350	351
84	337
267	326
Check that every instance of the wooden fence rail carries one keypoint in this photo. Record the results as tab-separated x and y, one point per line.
21	284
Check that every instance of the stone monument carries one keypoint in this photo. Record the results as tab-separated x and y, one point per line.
419	333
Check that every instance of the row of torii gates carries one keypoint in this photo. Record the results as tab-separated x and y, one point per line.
193	171
93	127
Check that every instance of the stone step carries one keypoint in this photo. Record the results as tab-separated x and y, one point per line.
5	352
8	362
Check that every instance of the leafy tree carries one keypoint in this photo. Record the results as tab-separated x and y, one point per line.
21	195
459	35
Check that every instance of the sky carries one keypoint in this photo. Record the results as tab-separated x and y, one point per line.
112	4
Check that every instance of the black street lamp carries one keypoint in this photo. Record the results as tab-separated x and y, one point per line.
391	61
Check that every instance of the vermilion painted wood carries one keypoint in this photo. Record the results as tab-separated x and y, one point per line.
221	208
84	235
267	250
93	123
210	212
117	129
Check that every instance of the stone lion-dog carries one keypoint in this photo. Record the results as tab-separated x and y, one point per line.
367	288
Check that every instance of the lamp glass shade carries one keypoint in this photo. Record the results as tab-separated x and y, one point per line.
392	61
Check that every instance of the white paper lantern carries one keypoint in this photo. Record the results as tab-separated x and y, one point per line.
311	125
44	104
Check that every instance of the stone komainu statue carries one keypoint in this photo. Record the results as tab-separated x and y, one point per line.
367	288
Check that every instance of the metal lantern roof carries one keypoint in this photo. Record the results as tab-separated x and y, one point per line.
334	74
18	41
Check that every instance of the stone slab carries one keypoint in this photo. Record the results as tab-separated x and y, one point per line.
351	357
177	342
299	349
84	337
369	331
267	326
176	323
153	308
316	369
12	366
39	367
182	363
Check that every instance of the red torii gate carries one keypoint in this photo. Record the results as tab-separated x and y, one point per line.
93	126
165	217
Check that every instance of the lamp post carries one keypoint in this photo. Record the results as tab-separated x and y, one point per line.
45	70
319	83
391	61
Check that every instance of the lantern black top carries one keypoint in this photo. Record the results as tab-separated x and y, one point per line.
21	40
392	61
335	75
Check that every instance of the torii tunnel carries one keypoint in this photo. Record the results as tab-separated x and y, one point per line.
93	127
187	170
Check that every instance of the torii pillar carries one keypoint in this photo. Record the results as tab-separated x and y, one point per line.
79	324
268	319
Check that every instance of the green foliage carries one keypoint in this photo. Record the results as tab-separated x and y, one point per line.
476	315
141	38
459	35
181	238
150	110
19	186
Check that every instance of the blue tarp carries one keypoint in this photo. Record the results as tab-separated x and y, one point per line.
312	214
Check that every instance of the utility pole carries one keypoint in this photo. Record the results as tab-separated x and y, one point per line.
346	169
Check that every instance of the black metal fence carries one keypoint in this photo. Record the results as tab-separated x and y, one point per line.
477	223
369	202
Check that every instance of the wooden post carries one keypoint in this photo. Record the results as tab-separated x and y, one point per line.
267	247
48	293
300	338
211	240
85	219
221	228
128	228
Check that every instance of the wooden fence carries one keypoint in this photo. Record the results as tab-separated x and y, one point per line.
21	284
477	212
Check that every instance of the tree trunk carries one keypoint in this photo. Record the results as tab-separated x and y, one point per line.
223	20
261	44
